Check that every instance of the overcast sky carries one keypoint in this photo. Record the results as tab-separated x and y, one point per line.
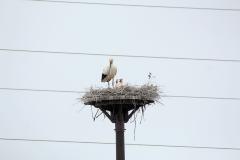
119	30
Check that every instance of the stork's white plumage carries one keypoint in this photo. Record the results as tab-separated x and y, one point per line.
109	73
119	83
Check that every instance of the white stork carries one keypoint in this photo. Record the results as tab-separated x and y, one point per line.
109	73
119	83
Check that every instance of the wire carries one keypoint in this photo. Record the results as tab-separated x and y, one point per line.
110	143
166	96
141	5
203	97
118	55
41	90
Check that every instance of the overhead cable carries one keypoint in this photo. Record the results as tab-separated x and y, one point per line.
111	143
26	51
140	5
77	92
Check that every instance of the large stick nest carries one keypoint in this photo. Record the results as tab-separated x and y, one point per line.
147	93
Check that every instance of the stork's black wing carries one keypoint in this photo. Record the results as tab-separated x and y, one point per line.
103	76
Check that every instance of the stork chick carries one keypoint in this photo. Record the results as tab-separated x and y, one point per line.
119	83
109	73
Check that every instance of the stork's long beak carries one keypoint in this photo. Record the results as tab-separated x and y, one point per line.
111	61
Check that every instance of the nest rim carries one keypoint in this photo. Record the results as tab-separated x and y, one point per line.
128	96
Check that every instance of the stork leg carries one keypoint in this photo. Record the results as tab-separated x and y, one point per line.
113	83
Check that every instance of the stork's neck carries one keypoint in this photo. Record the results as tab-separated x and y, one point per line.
110	66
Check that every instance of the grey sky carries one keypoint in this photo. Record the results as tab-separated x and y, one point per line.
119	30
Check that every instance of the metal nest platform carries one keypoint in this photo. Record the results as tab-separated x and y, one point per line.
125	99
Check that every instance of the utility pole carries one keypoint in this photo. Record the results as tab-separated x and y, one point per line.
119	128
118	109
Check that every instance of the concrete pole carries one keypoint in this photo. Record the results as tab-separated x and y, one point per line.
119	128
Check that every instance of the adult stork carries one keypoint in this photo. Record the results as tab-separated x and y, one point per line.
109	73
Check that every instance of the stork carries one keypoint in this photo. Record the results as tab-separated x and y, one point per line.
109	73
149	75
119	83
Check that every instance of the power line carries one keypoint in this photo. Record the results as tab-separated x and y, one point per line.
141	5
166	96
26	51
41	90
110	143
202	97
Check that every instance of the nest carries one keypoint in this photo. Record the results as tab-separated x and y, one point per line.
128	98
147	94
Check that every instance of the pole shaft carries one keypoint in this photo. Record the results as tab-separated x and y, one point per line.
119	128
